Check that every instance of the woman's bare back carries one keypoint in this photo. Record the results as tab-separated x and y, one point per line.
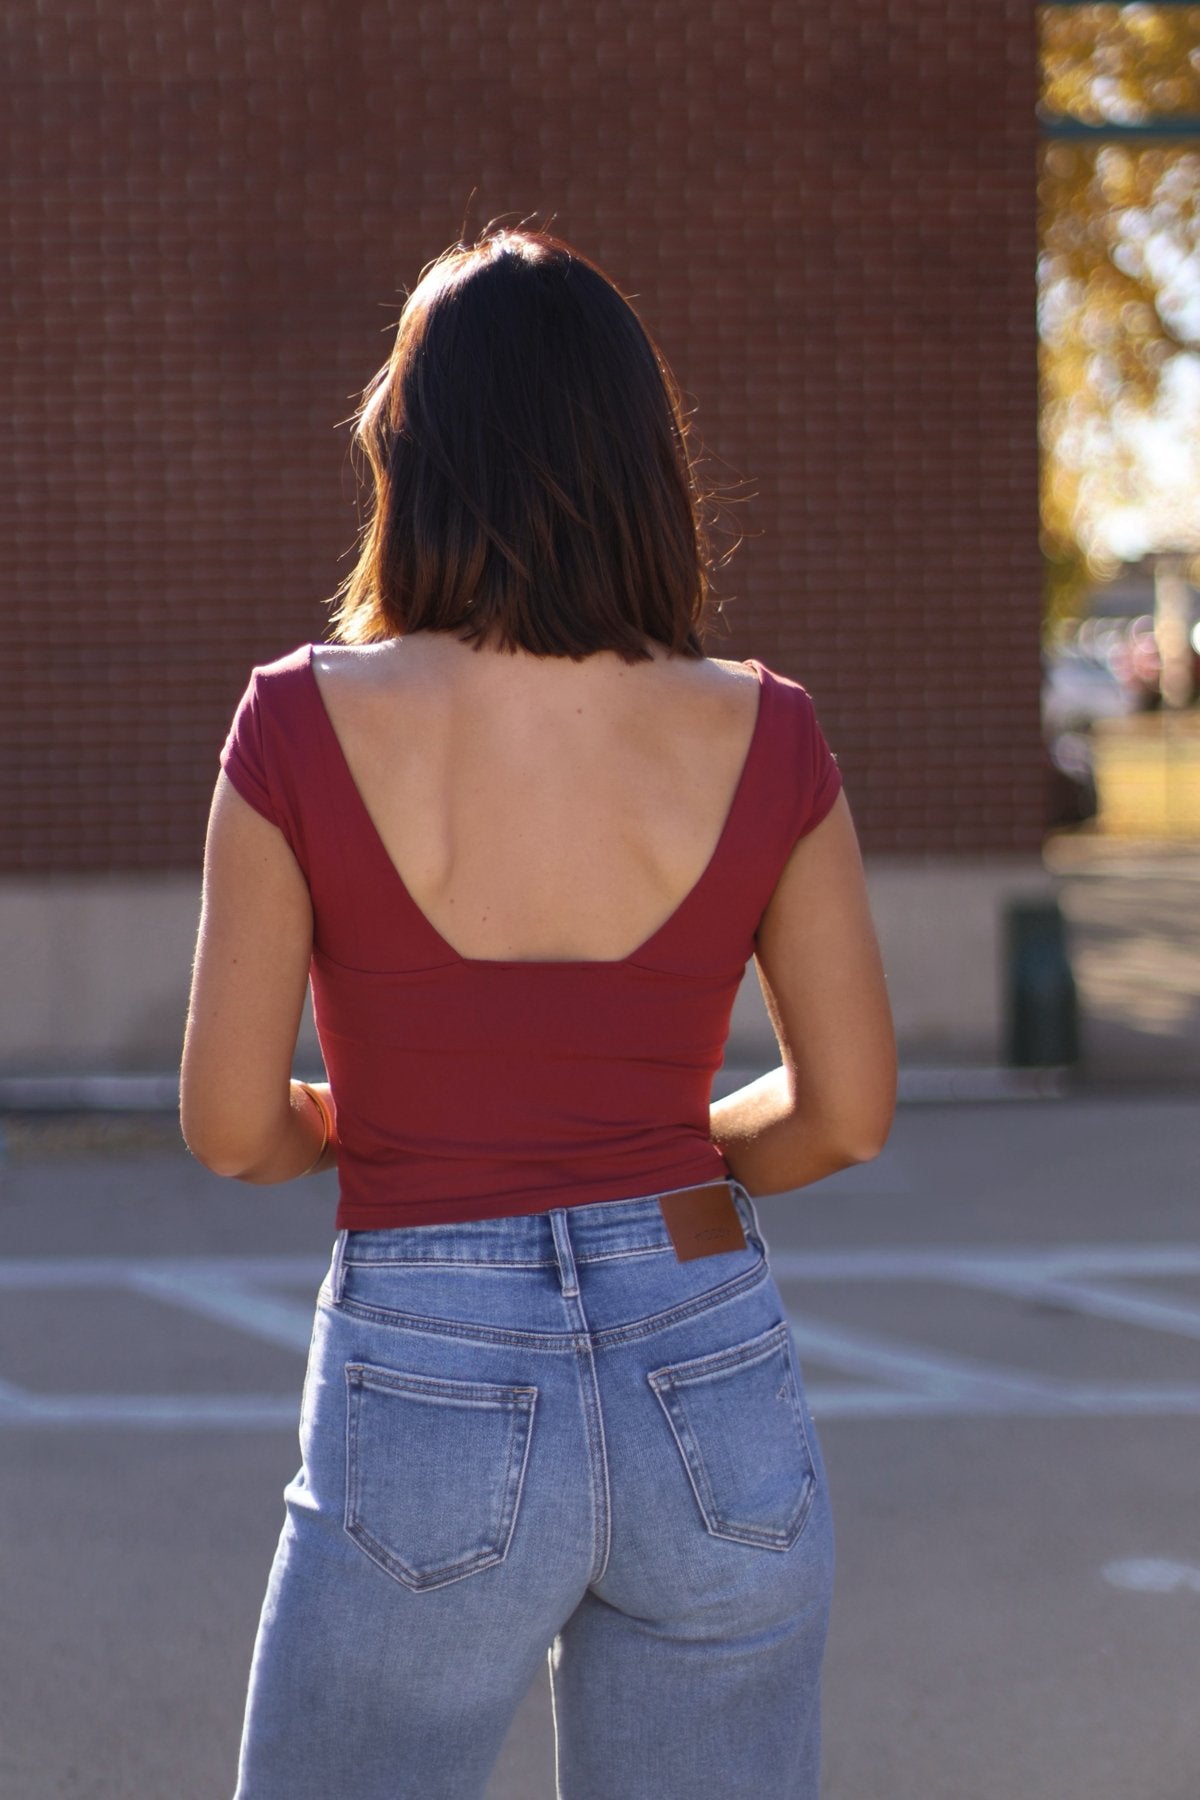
539	809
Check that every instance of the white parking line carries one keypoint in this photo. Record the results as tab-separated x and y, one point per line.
1153	1575
934	1384
156	1412
1129	1261
883	1377
229	1302
229	1290
1081	1399
114	1271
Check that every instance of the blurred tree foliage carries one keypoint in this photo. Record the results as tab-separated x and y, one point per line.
1119	271
1120	64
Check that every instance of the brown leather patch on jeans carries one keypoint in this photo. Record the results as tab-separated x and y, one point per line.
702	1221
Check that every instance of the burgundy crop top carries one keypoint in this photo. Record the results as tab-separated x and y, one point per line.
472	1090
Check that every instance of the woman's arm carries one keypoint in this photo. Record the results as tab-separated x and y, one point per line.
831	1102
240	1112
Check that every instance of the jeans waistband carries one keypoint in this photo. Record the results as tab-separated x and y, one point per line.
565	1236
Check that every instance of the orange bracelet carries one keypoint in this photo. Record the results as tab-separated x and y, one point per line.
326	1126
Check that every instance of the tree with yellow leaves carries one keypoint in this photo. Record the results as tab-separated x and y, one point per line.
1119	280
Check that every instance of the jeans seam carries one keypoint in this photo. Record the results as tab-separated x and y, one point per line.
624	1255
596	1438
697	1369
444	1262
598	1458
688	1309
540	1262
556	1342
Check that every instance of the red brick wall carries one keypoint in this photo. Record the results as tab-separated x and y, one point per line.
826	213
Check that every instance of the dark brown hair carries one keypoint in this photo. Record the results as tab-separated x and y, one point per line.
533	484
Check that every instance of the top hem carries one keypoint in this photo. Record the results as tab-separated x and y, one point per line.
352	1216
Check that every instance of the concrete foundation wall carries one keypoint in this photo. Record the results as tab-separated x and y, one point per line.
941	929
940	922
97	968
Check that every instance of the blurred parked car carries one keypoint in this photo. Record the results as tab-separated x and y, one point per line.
1079	686
1070	781
1078	689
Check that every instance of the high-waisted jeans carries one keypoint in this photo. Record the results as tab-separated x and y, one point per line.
535	1436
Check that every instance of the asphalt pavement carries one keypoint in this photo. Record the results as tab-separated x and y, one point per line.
999	1325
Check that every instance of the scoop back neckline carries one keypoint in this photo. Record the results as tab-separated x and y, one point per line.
455	957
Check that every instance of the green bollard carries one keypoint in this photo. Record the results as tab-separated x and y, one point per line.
1043	1009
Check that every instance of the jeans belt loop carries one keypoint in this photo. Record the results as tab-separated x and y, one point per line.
337	1269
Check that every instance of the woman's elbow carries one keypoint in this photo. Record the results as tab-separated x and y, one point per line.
217	1151
233	1134
869	1126
869	1120
874	1126
865	1147
859	1133
217	1159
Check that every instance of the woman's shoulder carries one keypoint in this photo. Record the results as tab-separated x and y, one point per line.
744	674
280	683
790	730
286	667
772	677
700	701
785	697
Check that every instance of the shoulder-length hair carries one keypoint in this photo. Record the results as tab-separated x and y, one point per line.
533	483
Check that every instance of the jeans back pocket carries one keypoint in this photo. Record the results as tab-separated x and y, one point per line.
434	1471
736	1418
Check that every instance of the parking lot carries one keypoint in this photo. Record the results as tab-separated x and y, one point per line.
999	1323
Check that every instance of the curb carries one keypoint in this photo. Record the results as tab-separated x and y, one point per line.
160	1093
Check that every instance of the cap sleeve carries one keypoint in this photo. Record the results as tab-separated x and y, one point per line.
243	757
268	755
824	777
806	776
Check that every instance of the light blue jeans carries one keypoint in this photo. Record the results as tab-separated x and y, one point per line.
542	1436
